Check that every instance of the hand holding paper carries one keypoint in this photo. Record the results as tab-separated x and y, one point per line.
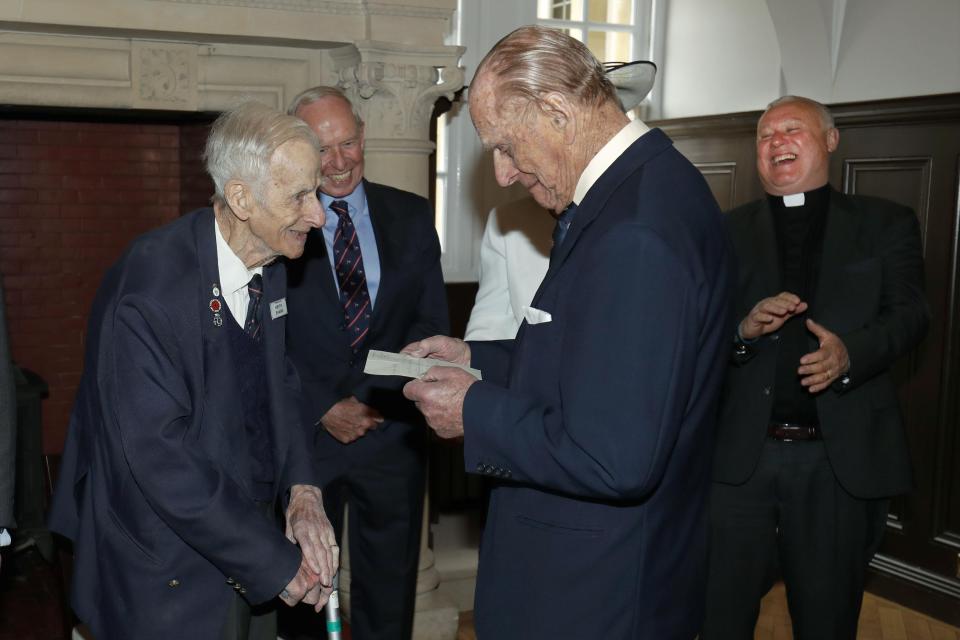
439	396
384	363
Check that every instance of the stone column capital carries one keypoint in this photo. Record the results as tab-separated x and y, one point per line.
394	86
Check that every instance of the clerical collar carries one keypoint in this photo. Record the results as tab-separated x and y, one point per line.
815	198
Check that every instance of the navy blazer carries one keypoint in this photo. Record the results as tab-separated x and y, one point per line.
154	489
870	293
602	437
411	305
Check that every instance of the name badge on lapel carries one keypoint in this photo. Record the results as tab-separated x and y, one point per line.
278	308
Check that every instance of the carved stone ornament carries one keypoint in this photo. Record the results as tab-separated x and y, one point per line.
164	76
396	100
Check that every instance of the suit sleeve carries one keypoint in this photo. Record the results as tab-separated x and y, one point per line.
433	315
903	315
629	353
150	407
299	467
492	316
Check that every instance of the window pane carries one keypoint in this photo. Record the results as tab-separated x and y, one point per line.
611	11
597	43
611	46
560	9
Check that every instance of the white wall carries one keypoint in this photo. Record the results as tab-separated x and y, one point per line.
737	55
896	48
720	57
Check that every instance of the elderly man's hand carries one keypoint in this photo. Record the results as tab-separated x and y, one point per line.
439	395
307	525
303	583
350	419
440	347
820	368
318	596
769	314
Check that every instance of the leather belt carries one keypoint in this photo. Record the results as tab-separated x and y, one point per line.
788	431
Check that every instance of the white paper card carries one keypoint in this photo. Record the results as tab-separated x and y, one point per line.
384	363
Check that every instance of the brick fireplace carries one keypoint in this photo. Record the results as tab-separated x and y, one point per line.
73	193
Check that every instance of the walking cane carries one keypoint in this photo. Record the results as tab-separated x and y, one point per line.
332	609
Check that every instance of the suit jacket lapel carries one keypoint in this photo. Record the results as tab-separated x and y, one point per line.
274	289
764	278
839	241
219	372
388	231
637	154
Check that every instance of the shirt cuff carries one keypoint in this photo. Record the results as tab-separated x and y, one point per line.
4	538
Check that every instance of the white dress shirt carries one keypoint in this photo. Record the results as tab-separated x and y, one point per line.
234	278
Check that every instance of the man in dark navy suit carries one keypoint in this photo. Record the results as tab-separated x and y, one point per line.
597	421
811	443
370	278
184	437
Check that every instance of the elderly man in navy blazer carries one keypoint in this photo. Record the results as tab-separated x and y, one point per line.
184	437
597	422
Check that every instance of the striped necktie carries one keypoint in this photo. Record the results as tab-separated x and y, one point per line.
252	324
348	265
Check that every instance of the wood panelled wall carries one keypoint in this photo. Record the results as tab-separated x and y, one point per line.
907	151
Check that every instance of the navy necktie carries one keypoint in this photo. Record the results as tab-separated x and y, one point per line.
564	220
252	324
348	264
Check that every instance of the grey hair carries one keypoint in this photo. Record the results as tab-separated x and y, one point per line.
242	142
311	95
532	61
826	118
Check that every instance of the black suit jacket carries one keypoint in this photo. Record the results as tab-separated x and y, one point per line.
870	293
411	304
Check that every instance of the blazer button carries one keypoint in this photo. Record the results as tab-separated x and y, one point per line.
173	583
480	467
766	391
243	590
775	337
230	580
507	474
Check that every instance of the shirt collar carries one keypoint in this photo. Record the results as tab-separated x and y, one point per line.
234	275
356	201
607	155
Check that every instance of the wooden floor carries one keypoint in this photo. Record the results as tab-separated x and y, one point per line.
879	620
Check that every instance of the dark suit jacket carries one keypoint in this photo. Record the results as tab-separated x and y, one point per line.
870	293
605	430
8	422
154	488
411	304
